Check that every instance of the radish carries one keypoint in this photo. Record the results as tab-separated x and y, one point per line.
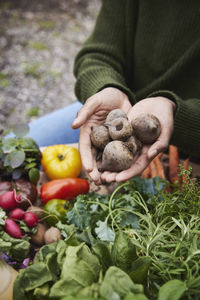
12	229
30	219
9	200
17	213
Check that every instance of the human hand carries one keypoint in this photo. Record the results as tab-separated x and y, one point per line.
163	109
94	112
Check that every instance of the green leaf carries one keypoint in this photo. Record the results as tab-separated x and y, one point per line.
30	278
80	269
17	248
131	296
10	143
140	268
2	217
34	175
172	290
30	165
123	252
20	130
117	284
102	251
15	158
28	143
104	232
42	291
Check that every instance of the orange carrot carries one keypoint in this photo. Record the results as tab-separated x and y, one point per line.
173	164
146	173
159	167
153	169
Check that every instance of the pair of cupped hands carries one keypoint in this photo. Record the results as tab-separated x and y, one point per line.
95	111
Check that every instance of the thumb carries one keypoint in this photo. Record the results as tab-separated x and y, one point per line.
86	111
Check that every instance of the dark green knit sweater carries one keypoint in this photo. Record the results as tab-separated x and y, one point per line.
147	48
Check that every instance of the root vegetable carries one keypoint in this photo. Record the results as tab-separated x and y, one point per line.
119	129
16	213
134	144
30	219
9	200
116	157
52	235
38	237
99	136
115	114
27	191
39	212
147	128
12	228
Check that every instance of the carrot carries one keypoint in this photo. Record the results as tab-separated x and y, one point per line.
159	167
153	169
173	164
146	172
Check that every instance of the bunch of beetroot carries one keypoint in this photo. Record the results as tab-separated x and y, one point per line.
10	202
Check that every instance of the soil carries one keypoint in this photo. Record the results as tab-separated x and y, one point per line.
38	43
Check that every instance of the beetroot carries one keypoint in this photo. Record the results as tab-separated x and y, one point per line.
30	219
12	229
16	213
9	200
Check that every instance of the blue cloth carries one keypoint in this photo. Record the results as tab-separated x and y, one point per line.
55	128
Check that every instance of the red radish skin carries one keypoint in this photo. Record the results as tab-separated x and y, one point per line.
9	200
17	213
30	219
13	229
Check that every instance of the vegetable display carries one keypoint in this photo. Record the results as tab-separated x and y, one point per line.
61	161
141	242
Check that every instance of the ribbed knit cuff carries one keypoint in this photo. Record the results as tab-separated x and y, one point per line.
186	122
98	80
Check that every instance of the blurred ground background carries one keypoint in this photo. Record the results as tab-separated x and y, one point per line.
38	42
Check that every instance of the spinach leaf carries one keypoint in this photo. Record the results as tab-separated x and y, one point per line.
123	252
140	268
117	284
80	269
28	279
172	290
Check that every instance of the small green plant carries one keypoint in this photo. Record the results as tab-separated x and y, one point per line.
33	70
55	74
47	24
33	112
19	156
38	46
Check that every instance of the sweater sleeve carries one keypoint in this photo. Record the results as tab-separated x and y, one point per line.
101	61
186	133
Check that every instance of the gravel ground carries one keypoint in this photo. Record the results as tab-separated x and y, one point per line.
38	43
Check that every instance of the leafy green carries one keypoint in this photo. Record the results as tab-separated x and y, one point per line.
138	243
117	284
19	156
16	248
172	290
123	252
80	269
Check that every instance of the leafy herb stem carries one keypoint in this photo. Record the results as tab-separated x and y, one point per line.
110	204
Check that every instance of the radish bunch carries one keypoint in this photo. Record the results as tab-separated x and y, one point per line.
9	201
